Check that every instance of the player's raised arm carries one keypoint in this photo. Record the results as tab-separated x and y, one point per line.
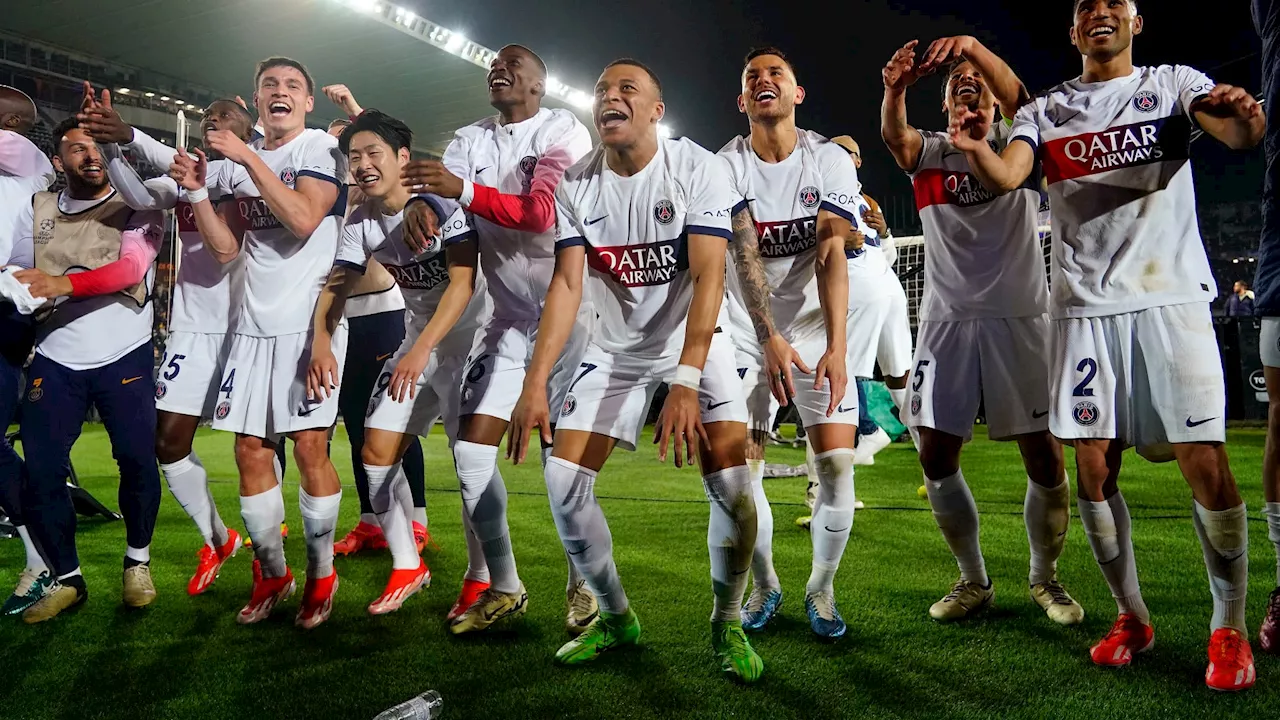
904	142
299	209
1229	113
1003	172
214	224
1009	91
98	118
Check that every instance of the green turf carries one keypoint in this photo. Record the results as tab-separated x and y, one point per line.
186	658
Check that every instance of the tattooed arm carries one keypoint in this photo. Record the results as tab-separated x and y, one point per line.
779	356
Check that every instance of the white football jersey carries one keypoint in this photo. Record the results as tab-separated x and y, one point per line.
422	278
982	253
1116	155
30	173
868	262
785	198
517	264
283	275
635	231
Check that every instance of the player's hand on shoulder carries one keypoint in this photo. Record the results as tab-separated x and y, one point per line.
944	51
421	227
229	145
341	96
322	373
431	176
681	418
900	72
1228	101
532	411
404	379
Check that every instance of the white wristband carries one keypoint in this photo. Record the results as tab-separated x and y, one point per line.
195	196
688	376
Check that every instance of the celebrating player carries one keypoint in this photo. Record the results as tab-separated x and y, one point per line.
649	221
93	348
801	192
24	171
422	380
288	210
504	171
984	335
196	350
1135	361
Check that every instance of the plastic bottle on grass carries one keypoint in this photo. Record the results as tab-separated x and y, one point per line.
427	706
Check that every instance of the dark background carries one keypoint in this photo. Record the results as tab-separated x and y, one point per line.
838	49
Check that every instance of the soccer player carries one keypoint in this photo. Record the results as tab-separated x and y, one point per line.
984	334
195	351
1266	18
375	318
287	209
646	222
793	286
504	171
93	348
24	171
422	380
1134	361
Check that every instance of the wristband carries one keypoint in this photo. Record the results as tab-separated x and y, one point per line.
687	376
195	196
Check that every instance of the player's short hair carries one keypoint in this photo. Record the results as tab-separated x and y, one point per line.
636	63
541	65
770	50
1133	6
339	122
392	131
239	109
275	62
61	129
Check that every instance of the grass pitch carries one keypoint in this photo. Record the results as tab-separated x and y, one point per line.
186	658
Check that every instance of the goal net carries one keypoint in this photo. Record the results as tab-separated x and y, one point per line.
909	267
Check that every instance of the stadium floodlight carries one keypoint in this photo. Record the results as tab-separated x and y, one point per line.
365	6
579	99
164	98
180	102
455	43
123	91
150	94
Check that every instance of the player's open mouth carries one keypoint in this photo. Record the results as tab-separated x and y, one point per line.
765	95
368	179
279	109
1102	31
611	119
498	83
92	169
965	86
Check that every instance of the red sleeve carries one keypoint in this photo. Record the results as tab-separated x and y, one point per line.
535	212
136	255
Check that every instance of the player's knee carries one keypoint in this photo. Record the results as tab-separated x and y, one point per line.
311	451
170	449
254	457
938	459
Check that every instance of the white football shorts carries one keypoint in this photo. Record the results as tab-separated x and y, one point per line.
435	396
878	328
190	372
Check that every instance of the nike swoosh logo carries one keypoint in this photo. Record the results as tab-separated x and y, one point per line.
320	535
593	222
486	167
1198	423
580	551
304	413
824	527
845	409
1059	122
740	572
713	406
380	358
129	380
1038	415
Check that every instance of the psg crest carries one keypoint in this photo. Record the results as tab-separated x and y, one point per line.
161	390
1145	101
809	197
288	176
1085	413
664	212
223	410
570	404
527	164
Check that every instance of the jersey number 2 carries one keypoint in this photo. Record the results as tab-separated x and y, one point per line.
1089	367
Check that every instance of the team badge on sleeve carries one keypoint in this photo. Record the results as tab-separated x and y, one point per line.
809	197
288	176
1085	413
1146	101
664	212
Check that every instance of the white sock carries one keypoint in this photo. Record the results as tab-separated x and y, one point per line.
762	572
957	518
1273	532
189	485
584	531
220	532
477	568
370	518
1106	524
574	577
832	517
731	538
419	513
811	472
484	495
35	561
1224	538
1047	513
384	484
73	573
142	555
319	521
262	515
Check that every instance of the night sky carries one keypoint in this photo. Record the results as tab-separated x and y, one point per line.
697	48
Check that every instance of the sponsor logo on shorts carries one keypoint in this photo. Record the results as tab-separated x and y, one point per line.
570	404
36	391
809	196
527	164
1146	101
1085	413
161	390
223	410
664	212
915	404
1258	381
